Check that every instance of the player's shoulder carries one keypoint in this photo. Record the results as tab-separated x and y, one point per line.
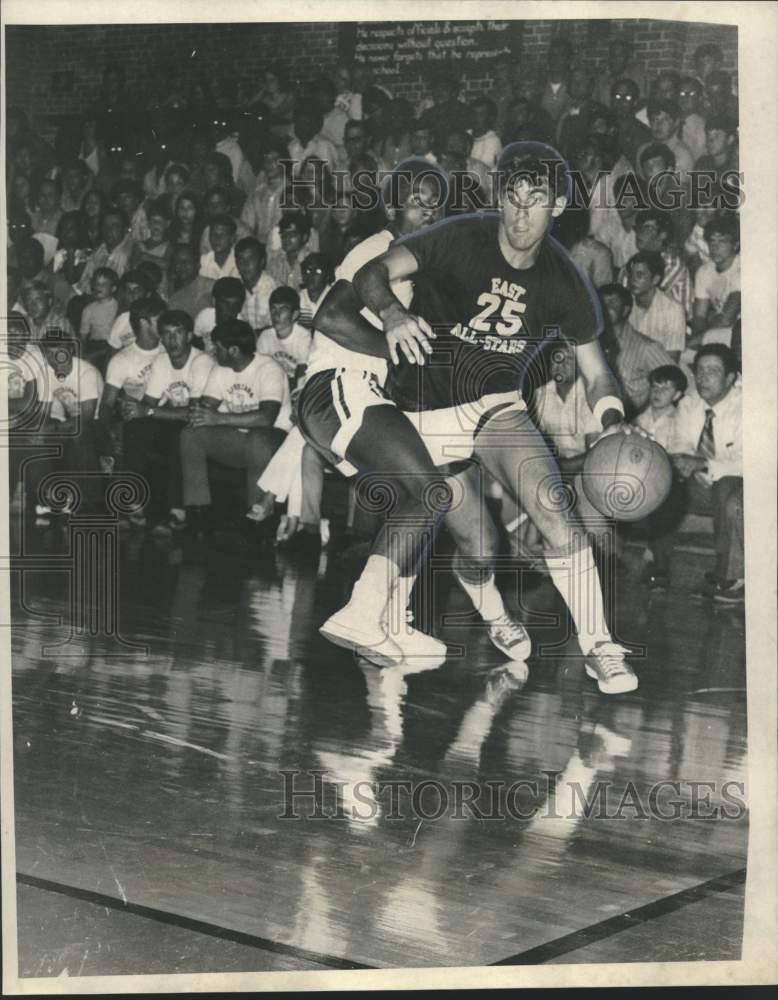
366	250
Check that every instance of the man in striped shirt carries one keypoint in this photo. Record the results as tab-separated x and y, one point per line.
654	232
654	313
631	354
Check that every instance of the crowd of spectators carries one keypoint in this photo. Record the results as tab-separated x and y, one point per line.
167	253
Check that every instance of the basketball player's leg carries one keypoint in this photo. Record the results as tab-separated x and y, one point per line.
515	453
473	529
346	417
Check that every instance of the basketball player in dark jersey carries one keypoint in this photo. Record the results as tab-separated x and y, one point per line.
512	287
344	412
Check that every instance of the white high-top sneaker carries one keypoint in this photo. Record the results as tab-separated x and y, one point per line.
352	629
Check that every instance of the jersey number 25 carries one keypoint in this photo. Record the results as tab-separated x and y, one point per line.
510	315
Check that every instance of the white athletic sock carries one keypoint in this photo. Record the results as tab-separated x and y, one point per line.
576	578
372	590
397	608
486	598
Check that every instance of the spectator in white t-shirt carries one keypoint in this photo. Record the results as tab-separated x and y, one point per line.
286	341
717	284
128	374
655	314
219	262
69	391
24	372
241	419
153	427
133	285
228	297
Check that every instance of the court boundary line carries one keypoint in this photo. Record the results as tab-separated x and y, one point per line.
537	955
611	926
190	923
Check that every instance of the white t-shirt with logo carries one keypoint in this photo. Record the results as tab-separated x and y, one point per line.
66	394
261	381
130	369
176	386
325	353
717	286
29	366
289	351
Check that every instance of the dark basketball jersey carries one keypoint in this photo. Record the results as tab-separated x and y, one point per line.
491	320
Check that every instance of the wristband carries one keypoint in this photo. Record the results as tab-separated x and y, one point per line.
607	403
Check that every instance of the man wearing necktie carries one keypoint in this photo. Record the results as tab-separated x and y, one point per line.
707	452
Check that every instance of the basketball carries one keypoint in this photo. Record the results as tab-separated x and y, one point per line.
627	476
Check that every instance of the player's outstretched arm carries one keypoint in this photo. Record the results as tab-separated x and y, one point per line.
340	319
404	332
603	392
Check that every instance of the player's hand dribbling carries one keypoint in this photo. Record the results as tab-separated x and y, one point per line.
411	334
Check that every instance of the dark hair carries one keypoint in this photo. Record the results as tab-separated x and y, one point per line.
228	288
159	207
137	277
655	149
722	123
224	220
35	247
211	192
152	271
726	355
274	144
651	259
689	81
723	225
114	210
535	162
251	243
235	333
405	180
354	123
311	113
297	218
619	85
146	308
619	291
319	260
662	219
176	317
669	373
657	107
191	249
48	180
127	187
222	163
285	296
106	272
69	218
488	103
177	168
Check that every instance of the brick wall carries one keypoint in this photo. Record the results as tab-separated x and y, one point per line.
56	71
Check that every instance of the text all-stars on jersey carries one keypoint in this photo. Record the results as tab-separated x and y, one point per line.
495	318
